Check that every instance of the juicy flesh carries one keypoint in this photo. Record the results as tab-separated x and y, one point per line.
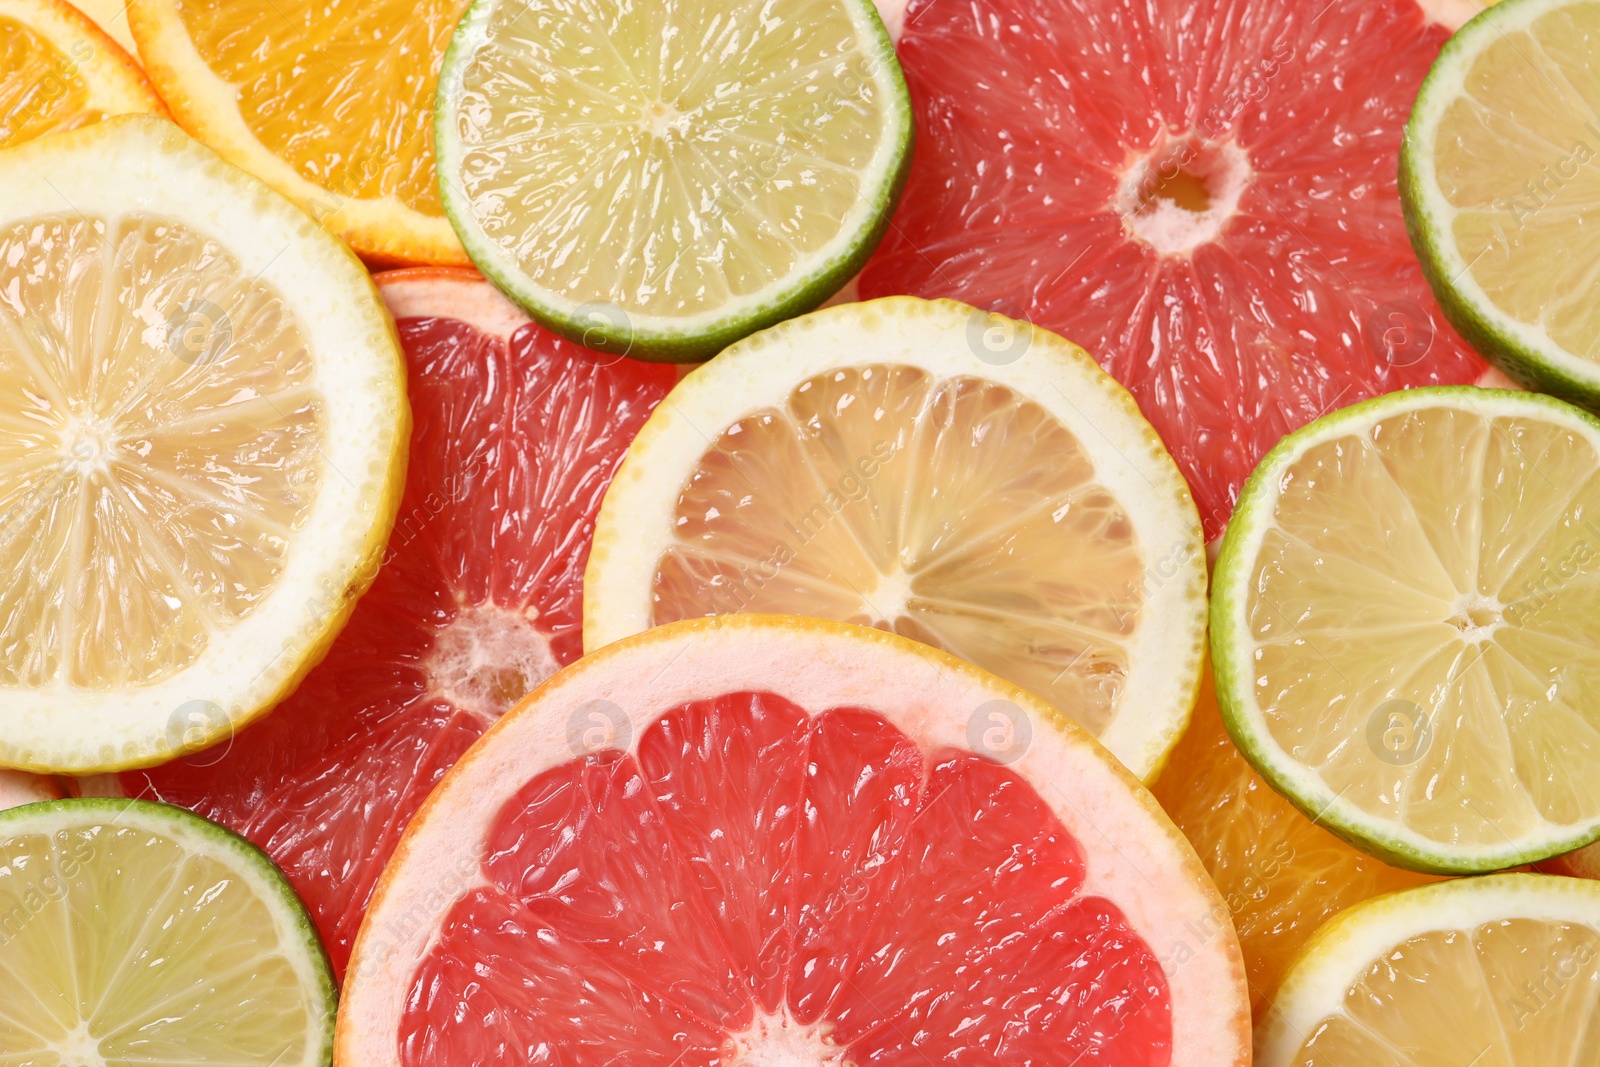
1514	993
341	89
1281	875
668	159
761	886
1037	127
160	435
478	598
1427	639
951	511
41	90
123	948
1518	159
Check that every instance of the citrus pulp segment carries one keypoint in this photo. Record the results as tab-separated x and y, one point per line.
1502	971
1281	875
958	478
1201	194
202	439
19	787
1582	863
329	103
138	933
58	71
756	838
1499	179
479	597
1404	628
662	179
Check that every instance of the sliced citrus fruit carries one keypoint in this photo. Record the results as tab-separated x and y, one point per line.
1404	628
330	103
202	437
1501	971
1500	186
1281	875
1582	863
956	477
137	933
662	179
112	18
479	597
1202	196
782	840
58	71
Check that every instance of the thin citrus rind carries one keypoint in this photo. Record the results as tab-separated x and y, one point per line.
1134	855
116	83
660	339
1231	655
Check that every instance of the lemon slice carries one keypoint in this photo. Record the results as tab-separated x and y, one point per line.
1404	626
661	179
1501	971
134	933
202	440
58	71
947	474
1500	180
330	103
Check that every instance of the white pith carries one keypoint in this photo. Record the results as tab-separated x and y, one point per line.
1133	854
1165	226
1340	954
145	164
637	516
1247	530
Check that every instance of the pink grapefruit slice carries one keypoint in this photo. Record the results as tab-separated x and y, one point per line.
769	840
479	597
1201	193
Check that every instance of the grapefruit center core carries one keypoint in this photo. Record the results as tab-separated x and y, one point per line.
488	658
776	1039
1183	193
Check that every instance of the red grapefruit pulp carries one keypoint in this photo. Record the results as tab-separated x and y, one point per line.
786	852
1201	193
517	434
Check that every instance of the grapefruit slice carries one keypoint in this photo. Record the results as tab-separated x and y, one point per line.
516	435
20	787
768	840
1202	194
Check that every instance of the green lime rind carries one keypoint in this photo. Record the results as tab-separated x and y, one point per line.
1524	353
804	292
201	835
1232	647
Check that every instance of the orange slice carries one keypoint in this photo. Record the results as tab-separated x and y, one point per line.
112	17
58	71
771	840
1281	874
329	103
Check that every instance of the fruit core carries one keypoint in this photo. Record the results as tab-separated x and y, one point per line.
1182	195
488	658
775	1039
1477	616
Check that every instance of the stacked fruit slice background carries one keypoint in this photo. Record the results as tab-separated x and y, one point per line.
796	532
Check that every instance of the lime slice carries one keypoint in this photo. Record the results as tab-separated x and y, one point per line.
135	933
1500	179
1488	972
1405	630
662	179
203	431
